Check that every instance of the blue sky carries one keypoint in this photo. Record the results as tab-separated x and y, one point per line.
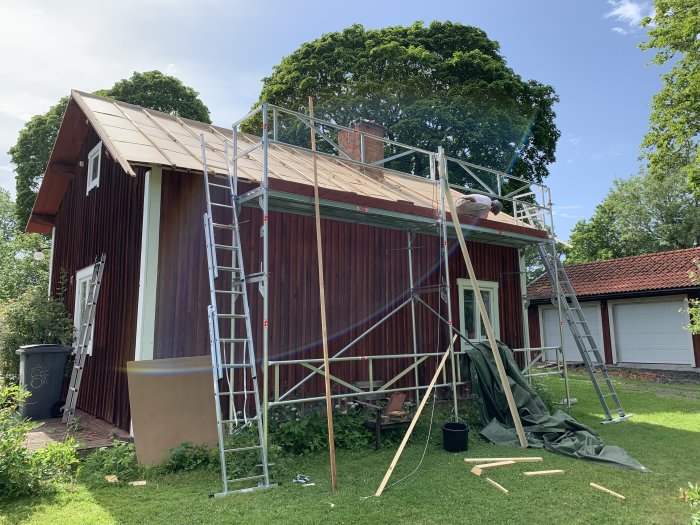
588	51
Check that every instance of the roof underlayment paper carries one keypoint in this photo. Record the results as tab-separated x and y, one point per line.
138	136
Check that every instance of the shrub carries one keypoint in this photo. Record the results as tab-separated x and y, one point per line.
25	472
298	433
188	456
119	459
692	496
32	318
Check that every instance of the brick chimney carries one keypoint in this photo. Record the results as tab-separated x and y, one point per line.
351	142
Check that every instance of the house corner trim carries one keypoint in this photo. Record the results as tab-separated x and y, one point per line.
148	269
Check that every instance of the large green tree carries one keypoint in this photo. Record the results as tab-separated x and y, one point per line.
445	84
642	214
31	153
673	140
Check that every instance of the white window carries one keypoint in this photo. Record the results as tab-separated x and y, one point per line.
82	284
93	170
470	320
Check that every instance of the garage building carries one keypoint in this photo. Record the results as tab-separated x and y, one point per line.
636	308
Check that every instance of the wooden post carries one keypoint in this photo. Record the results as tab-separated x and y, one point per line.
482	308
414	420
322	294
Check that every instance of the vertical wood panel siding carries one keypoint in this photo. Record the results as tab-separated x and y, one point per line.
533	319
107	220
606	331
366	272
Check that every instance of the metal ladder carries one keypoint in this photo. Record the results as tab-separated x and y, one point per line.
230	330
84	337
565	297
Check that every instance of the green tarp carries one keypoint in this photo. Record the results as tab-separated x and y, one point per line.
558	432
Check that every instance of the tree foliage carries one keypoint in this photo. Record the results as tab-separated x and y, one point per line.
165	93
19	269
673	140
31	152
640	215
445	84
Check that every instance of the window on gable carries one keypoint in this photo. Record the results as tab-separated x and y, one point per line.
93	171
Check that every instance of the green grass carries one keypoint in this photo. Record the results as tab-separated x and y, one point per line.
664	435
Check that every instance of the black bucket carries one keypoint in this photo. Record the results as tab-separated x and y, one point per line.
454	436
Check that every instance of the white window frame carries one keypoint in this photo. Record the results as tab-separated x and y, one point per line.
95	156
82	276
490	286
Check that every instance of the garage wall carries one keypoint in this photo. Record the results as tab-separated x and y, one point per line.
651	331
549	323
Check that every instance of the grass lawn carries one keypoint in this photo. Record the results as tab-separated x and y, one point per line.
664	435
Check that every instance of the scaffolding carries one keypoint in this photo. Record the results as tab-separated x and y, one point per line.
529	201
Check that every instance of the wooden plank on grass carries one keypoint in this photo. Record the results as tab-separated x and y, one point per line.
492	460
415	419
603	489
497	485
543	472
479	469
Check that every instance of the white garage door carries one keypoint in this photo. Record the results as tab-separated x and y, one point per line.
652	332
550	331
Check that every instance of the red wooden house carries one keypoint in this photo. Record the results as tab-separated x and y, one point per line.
127	182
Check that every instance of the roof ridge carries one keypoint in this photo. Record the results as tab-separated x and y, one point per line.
640	256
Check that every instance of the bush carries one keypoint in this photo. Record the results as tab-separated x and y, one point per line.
25	472
188	456
119	459
692	496
32	318
298	433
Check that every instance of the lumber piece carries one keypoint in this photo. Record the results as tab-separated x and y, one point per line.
497	485
438	370
492	460
482	307
542	472
608	491
479	469
322	297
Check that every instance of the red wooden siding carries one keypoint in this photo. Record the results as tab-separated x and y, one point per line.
605	328
533	319
107	220
366	275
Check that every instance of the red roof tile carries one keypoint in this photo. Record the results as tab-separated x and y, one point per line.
654	271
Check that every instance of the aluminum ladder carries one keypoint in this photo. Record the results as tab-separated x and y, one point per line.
230	331
565	297
84	338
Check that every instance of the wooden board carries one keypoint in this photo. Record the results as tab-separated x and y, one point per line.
607	491
426	396
479	469
497	485
542	472
172	401
492	460
482	308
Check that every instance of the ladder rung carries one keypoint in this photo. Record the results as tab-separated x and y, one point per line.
231	316
223	226
222	205
228	269
229	292
249	478
240	420
232	340
236	366
240	393
226	247
218	185
242	449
